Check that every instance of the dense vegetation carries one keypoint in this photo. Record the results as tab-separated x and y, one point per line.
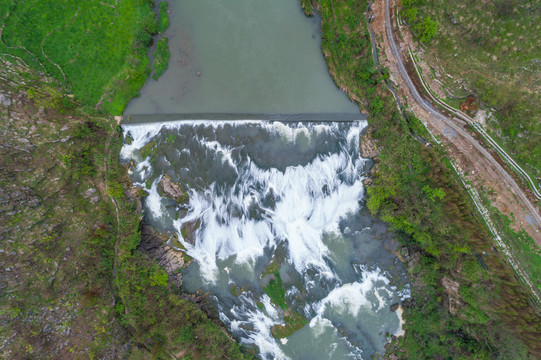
95	49
163	17
161	58
458	310
492	50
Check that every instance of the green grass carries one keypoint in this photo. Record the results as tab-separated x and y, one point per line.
96	50
148	149
293	322
276	291
163	17
307	7
272	268
161	58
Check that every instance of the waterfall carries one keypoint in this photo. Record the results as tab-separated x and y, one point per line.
259	188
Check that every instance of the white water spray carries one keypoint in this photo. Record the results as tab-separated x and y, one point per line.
238	221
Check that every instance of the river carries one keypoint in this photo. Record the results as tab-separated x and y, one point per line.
275	218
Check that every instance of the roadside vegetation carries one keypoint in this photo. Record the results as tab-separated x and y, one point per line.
522	244
487	56
423	26
458	308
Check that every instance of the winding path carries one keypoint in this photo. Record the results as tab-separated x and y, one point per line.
469	120
427	106
437	119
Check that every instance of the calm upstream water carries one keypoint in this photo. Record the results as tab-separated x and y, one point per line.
253	56
265	195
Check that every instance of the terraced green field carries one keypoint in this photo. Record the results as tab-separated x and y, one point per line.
97	49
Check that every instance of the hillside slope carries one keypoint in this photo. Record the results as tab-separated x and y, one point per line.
485	58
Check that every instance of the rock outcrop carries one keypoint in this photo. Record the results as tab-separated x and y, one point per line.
155	245
5	100
369	148
172	190
188	230
454	303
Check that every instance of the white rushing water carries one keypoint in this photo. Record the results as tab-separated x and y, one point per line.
254	187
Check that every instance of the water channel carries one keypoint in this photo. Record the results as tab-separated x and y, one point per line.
269	202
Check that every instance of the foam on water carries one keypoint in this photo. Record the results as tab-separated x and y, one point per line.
239	224
352	297
260	321
304	212
153	200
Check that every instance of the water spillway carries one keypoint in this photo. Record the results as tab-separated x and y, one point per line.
249	124
288	118
288	194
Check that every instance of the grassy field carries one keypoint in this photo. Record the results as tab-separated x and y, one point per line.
95	49
491	50
458	309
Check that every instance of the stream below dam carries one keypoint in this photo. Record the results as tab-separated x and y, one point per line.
272	210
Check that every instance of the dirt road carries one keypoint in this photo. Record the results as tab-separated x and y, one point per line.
473	161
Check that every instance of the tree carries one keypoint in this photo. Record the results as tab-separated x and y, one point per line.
426	29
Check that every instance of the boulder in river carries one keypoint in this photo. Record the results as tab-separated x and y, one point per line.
172	190
188	230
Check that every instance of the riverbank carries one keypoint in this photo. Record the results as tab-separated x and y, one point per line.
75	282
457	305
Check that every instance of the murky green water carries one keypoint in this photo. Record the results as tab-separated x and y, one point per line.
253	56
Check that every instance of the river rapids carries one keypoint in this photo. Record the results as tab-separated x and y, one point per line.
282	203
